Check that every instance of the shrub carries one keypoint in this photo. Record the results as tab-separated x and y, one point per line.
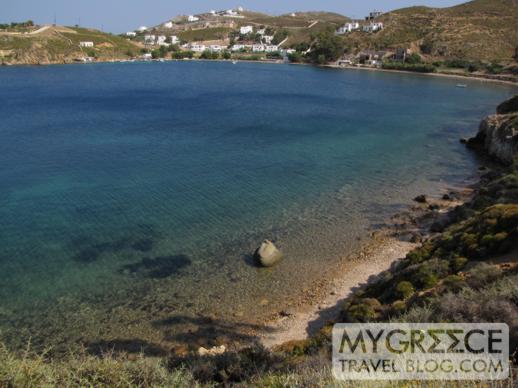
404	289
295	57
363	310
398	307
429	273
417	67
482	275
454	283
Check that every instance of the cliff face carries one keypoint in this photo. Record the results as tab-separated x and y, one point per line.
498	134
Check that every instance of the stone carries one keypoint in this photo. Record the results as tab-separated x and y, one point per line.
263	302
214	351
508	106
267	254
420	198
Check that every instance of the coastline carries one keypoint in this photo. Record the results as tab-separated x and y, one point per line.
386	247
278	62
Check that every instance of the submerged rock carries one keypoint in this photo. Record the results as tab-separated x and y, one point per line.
420	198
267	254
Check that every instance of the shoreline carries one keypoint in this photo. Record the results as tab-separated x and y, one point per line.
386	246
444	75
276	62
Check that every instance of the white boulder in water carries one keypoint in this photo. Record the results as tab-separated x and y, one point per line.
268	254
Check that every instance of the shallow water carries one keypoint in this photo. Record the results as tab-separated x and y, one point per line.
132	195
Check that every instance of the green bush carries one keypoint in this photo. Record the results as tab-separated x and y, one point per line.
417	67
363	310
404	289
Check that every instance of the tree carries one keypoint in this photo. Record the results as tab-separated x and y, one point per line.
413	59
327	47
227	55
279	37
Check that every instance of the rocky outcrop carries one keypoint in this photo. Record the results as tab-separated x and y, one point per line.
268	254
509	106
498	134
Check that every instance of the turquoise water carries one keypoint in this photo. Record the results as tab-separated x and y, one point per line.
132	195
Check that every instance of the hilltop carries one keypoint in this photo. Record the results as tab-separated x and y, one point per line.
30	44
477	30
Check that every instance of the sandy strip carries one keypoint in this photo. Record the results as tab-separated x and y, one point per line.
355	273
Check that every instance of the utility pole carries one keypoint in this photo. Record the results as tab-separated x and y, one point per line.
55	19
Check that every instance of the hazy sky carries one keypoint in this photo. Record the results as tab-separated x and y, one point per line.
123	15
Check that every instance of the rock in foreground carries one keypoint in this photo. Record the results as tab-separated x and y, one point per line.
267	254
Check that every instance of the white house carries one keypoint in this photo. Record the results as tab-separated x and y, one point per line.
240	9
212	12
257	48
271	49
147	56
168	25
246	30
161	40
348	27
174	39
261	31
86	44
198	48
131	34
373	27
192	18
231	12
216	48
142	28
149	39
267	39
293	14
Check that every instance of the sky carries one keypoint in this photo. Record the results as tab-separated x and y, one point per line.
125	15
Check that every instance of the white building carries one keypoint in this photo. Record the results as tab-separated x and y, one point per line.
147	56
174	39
86	44
261	31
168	25
293	15
149	39
192	18
161	40
198	48
267	39
131	34
373	27
348	27
212	12
258	48
142	28
246	30
271	49
216	48
240	9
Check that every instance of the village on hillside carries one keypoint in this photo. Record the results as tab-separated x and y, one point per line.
418	39
233	31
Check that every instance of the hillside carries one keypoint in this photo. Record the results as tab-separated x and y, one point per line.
57	44
477	30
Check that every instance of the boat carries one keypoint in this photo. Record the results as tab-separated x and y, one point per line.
461	85
234	62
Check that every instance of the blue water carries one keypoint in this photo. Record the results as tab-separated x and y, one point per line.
134	193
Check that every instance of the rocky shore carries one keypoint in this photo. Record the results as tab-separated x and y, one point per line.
426	221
